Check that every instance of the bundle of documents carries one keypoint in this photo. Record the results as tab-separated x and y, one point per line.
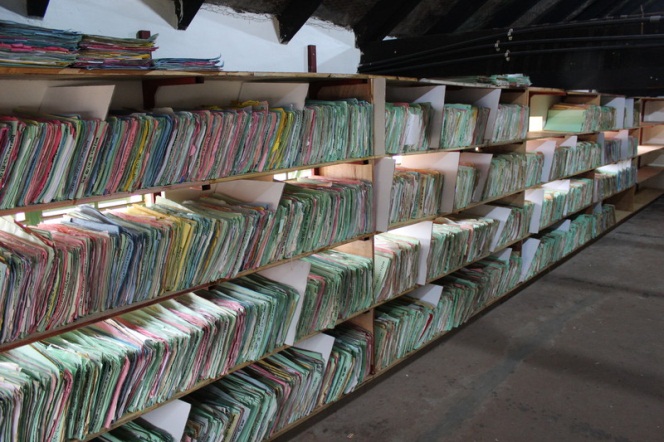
415	194
101	52
508	173
407	127
396	259
138	429
570	160
467	180
614	178
188	64
459	122
534	165
582	229
468	290
506	80
458	240
517	224
559	203
607	217
339	285
511	123
34	46
612	150
580	195
570	117
632	147
253	403
336	130
349	363
553	207
400	327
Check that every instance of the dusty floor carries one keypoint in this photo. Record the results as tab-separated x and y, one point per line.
579	355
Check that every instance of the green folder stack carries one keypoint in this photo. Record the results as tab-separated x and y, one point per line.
415	194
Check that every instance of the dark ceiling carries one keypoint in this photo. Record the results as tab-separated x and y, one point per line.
610	45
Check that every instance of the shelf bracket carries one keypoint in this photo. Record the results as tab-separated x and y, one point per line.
186	10
294	16
37	8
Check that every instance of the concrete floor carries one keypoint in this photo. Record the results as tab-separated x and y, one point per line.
578	355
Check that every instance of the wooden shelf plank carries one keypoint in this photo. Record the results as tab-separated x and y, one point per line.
643	149
647	172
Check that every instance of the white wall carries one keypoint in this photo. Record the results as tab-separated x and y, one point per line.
246	42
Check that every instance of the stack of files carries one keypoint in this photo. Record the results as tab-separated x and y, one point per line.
612	150
34	46
101	52
580	195
400	327
553	206
396	260
253	403
504	80
508	172
339	284
145	357
138	430
415	194
569	117
607	118
407	127
517	224
336	130
467	180
607	217
511	123
188	64
459	121
570	160
534	165
468	290
326	211
349	363
481	125
582	229
456	241
614	178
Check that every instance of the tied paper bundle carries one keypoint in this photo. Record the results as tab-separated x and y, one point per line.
25	45
188	64
100	52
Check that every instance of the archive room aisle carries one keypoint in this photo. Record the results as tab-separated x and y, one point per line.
575	356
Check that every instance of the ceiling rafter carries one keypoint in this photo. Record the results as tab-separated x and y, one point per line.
460	12
294	16
381	19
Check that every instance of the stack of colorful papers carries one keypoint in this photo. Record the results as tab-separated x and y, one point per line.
511	123
33	46
415	194
101	52
188	64
396	260
407	127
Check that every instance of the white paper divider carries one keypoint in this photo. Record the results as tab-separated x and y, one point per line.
618	103
88	101
428	293
568	141
171	417
548	148
562	226
383	174
482	162
192	96
421	231
250	191
294	274
629	113
528	250
445	162
480	97
504	255
497	213
276	94
535	196
378	94
422	94
320	343
179	195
